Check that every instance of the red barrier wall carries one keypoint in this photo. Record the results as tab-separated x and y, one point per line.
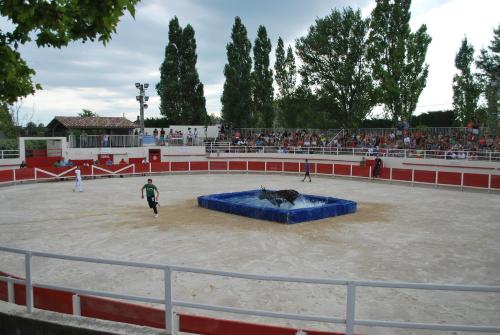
160	167
324	168
218	166
6	175
118	311
211	326
476	180
495	181
274	166
385	173
179	166
23	174
401	174
256	166
291	167
237	165
32	162
342	169
422	176
141	168
199	166
449	178
361	171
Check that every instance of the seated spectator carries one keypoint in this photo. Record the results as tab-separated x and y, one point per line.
96	162
122	161
69	163
85	164
145	160
109	162
23	164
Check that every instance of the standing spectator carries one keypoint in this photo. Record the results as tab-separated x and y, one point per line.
162	136
195	135
307	171
78	181
155	135
377	167
105	140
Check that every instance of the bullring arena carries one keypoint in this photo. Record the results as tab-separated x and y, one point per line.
400	233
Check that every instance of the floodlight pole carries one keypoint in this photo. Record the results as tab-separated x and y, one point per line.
141	98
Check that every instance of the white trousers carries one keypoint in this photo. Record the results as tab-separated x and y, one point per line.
78	185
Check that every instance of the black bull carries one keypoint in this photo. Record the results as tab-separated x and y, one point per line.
279	197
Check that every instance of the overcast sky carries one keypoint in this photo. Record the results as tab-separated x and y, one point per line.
101	79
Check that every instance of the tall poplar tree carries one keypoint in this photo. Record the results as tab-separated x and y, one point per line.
169	88
193	109
236	97
334	57
286	77
398	57
489	67
263	92
466	87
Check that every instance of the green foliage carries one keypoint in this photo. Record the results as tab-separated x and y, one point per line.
193	109
286	77
6	123
169	86
182	99
51	24
466	88
87	113
153	122
236	97
334	57
489	75
262	76
398	58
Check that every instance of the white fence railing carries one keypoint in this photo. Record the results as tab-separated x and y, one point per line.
383	152
149	168
5	154
350	320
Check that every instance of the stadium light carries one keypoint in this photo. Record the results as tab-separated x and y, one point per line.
142	98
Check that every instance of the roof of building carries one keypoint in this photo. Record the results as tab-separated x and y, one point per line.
78	122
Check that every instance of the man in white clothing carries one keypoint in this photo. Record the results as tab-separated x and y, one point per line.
78	182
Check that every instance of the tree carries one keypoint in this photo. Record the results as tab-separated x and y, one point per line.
6	123
489	67
87	113
51	24
466	87
169	88
193	110
286	77
334	57
236	96
398	58
263	92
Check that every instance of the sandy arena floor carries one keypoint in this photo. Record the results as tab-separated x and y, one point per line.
400	233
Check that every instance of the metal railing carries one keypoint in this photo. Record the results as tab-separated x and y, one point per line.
5	154
349	321
120	141
482	155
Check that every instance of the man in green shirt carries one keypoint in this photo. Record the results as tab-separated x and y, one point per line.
150	195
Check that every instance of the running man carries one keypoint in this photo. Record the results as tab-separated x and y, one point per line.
150	195
308	170
78	182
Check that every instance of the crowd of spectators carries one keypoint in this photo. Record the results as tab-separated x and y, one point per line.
450	143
